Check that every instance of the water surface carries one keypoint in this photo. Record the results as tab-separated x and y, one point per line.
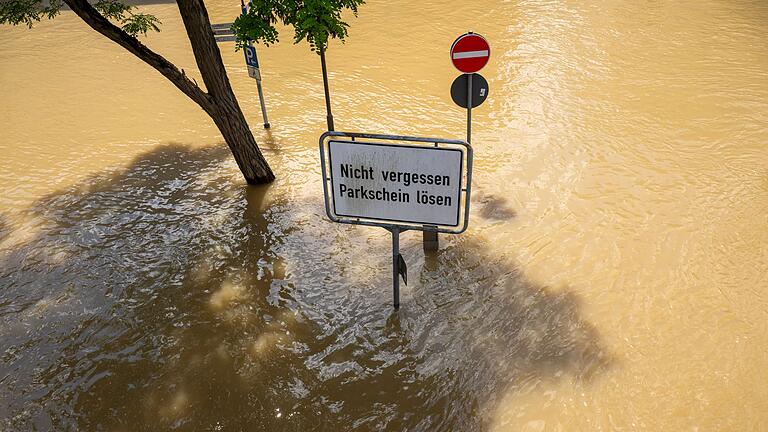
613	276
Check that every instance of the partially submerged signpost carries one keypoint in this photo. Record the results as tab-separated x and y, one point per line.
223	33
252	62
469	53
403	183
399	183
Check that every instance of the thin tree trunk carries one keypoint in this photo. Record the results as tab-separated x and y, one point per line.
219	102
328	113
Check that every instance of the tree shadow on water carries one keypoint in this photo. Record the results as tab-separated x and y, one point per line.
471	330
502	332
4	228
491	206
102	290
168	295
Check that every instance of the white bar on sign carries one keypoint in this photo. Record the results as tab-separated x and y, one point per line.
470	54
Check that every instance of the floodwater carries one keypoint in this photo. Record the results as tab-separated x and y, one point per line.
613	276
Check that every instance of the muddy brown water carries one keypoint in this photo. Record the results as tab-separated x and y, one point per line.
613	276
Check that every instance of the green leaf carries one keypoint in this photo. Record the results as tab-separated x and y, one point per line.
112	9
53	9
140	23
26	12
312	20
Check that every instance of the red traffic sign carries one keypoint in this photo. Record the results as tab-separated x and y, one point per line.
470	52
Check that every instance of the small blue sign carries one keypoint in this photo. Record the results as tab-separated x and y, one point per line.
250	57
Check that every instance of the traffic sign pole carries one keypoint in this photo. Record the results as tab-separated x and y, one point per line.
469	109
469	53
223	33
244	9
261	97
395	267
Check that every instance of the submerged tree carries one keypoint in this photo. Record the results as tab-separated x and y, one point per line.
218	100
315	21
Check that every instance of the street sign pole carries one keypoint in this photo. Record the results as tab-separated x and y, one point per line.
223	33
469	53
257	72
395	266
261	96
469	108
430	241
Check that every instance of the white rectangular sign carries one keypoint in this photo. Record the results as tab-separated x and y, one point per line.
396	183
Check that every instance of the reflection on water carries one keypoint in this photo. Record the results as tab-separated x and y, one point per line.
613	276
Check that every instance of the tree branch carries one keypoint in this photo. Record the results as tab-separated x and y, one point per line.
96	21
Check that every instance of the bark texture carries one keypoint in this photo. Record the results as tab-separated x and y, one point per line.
218	102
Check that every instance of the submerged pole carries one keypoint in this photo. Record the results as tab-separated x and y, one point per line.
258	76
395	266
263	105
430	241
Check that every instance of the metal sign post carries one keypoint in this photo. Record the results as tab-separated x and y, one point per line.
470	53
252	62
469	108
399	183
223	33
396	271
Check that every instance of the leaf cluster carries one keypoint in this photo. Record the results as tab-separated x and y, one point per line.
29	12
315	21
131	22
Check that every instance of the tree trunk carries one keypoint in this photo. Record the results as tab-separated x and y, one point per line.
225	110
219	102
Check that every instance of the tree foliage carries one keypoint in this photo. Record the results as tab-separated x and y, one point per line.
28	12
312	20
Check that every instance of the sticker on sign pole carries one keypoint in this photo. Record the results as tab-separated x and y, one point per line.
479	90
470	52
254	73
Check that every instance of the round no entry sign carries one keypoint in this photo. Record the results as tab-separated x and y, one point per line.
470	52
